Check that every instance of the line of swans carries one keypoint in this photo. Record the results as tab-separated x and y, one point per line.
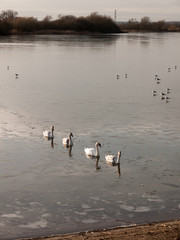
113	160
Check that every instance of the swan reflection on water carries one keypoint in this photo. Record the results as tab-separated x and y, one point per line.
51	141
118	167
95	158
69	148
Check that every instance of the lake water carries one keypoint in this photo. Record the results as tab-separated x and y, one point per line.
71	82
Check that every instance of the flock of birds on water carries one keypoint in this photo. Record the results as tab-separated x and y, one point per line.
164	95
91	152
67	142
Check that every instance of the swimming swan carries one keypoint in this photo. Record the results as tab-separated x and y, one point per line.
49	133
112	159
94	152
68	141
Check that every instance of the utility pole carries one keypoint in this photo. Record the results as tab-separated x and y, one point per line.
115	15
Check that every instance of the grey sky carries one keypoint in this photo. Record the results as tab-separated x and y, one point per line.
126	9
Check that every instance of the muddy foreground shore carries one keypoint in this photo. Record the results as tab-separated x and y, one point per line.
169	230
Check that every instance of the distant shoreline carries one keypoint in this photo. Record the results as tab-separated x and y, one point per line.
59	32
71	32
11	23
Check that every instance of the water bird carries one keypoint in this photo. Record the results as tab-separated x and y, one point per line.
167	99
7	67
156	76
112	159
157	80
94	152
67	141
49	134
125	75
16	75
163	96
175	67
154	93
169	69
117	76
167	90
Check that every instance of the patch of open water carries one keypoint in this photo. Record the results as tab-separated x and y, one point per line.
71	82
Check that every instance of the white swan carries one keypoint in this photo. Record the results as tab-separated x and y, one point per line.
49	133
94	152
112	159
68	141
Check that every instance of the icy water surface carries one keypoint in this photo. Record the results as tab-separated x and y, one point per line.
71	82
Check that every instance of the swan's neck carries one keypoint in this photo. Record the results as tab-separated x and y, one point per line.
70	141
118	158
97	150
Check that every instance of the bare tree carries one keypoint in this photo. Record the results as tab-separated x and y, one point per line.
8	15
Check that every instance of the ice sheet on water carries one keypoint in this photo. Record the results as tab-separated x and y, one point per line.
133	209
11	215
126	207
90	220
142	209
35	225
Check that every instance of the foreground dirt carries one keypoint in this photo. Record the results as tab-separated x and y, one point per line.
154	231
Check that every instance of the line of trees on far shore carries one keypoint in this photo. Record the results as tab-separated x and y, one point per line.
11	23
147	25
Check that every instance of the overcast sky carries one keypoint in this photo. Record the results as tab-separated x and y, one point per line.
126	9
